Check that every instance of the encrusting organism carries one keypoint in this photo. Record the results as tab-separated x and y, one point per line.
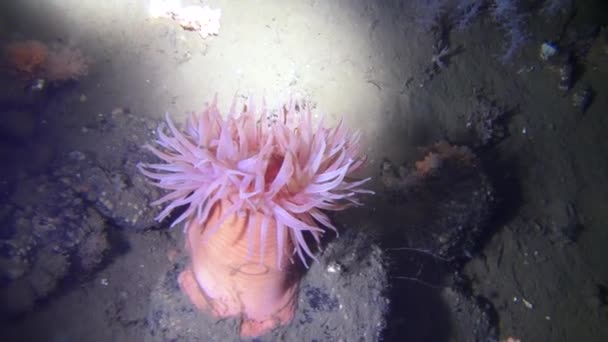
58	62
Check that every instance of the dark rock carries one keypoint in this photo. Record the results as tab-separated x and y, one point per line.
472	319
448	200
121	194
17	124
51	230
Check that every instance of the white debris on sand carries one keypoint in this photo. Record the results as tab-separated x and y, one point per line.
204	20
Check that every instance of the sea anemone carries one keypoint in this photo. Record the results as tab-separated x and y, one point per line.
277	163
254	186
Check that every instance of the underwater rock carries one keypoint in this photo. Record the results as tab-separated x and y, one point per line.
346	303
17	94
18	124
596	297
106	174
50	268
562	224
450	193
17	297
439	208
448	313
117	199
120	194
42	238
487	119
472	319
582	97
93	248
566	75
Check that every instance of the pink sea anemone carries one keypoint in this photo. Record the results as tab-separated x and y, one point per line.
282	165
253	185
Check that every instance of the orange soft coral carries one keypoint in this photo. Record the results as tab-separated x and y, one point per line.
66	63
441	152
57	63
27	57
